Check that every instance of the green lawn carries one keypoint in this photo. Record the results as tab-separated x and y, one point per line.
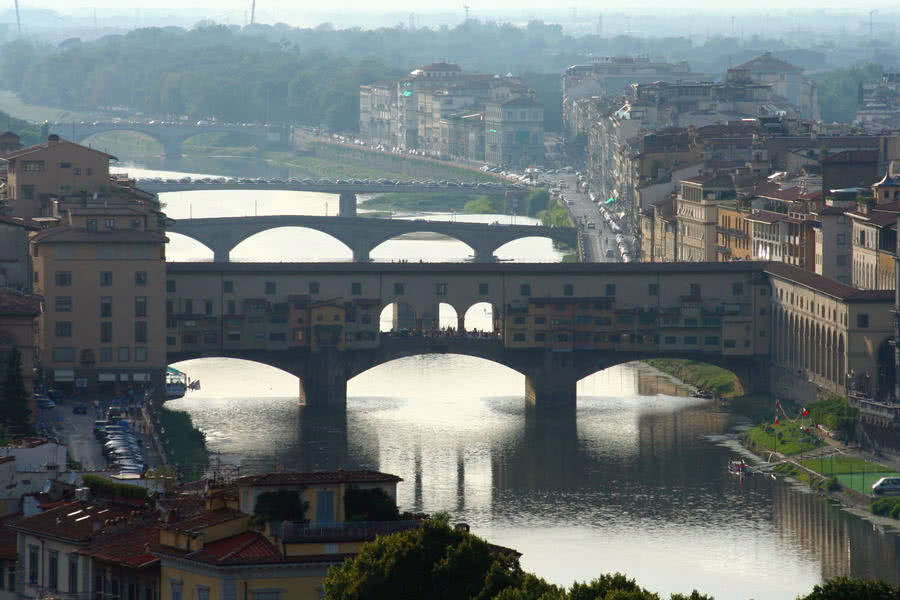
862	482
786	438
841	465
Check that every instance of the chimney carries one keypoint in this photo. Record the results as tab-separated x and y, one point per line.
52	139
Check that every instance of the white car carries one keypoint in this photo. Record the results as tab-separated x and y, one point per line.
886	486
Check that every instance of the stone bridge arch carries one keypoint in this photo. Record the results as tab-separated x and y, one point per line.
171	145
472	241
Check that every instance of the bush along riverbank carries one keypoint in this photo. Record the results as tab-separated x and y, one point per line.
703	376
184	444
798	449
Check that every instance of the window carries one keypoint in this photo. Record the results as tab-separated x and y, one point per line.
202	593
33	166
140	306
313	288
695	290
63	354
11	580
64	329
106	354
28	192
170	286
519	320
730	344
124	353
690	340
231	307
568	290
482	289
63	303
277	337
106	332
540	320
105	306
524	290
842	239
670	339
270	288
228	286
737	288
210	338
65	165
132	591
399	289
611	290
63	278
89	171
109	224
843	260
518	337
208	307
653	289
440	289
540	337
105	278
189	306
862	320
140	332
176	590
33	564
266	595
356	289
711	340
92	224
53	569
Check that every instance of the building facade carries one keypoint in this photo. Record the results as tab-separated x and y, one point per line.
514	133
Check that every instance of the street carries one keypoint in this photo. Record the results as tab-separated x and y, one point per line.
597	240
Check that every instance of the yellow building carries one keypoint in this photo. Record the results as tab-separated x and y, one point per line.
220	555
41	174
327	319
734	235
101	276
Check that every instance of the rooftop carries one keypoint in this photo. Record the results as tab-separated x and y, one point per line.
827	286
247	548
76	521
67	233
13	302
130	548
206	519
46	145
768	63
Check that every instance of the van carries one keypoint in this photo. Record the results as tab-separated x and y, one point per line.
886	486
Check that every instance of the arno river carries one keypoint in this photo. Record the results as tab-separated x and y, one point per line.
635	482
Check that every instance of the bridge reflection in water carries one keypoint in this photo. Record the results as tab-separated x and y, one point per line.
627	482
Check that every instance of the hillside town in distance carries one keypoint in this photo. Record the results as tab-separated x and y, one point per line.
718	228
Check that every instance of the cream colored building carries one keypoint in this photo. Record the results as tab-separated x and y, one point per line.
39	175
697	211
102	276
823	330
874	246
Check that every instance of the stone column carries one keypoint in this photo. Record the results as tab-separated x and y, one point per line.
324	382
347	205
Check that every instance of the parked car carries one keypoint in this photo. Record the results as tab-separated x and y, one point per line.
886	486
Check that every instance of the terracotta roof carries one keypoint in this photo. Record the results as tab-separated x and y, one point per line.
40	147
768	63
317	477
831	210
827	286
852	156
206	519
789	195
248	548
73	521
18	221
13	302
67	233
717	180
129	548
766	216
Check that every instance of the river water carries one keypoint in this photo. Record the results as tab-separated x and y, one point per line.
635	481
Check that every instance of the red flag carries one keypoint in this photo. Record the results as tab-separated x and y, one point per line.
805	413
776	421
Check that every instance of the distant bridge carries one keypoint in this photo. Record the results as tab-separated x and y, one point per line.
158	187
361	235
171	137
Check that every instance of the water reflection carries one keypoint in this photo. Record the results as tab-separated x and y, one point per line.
630	482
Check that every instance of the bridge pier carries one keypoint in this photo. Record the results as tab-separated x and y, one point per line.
324	384
221	255
484	255
347	205
551	385
361	255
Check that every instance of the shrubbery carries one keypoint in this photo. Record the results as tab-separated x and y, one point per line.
887	507
110	489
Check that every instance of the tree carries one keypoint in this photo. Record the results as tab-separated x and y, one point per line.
603	585
844	588
14	412
281	505
369	505
434	561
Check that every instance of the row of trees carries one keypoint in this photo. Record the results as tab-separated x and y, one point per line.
312	75
443	563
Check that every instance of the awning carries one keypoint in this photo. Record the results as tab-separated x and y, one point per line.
106	377
140	377
63	375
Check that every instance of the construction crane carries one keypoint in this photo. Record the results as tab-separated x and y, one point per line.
18	18
253	12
